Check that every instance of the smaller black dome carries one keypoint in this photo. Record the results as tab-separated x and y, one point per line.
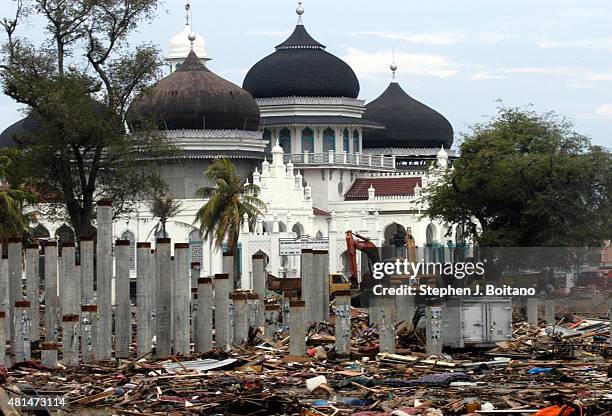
195	98
15	134
409	123
301	67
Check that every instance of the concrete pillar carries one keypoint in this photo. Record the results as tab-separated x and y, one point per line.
51	304
89	321
48	354
253	304
259	285
21	346
70	293
228	268
343	322
3	338
404	304
318	291
195	275
433	330
311	293
549	311
386	323
104	270
324	273
223	324
5	306
297	328
87	270
15	276
272	313
163	313
204	321
32	289
373	307
144	287
532	310
241	317
123	314
154	288
182	300
70	340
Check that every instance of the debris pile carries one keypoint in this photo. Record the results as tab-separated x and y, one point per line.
521	376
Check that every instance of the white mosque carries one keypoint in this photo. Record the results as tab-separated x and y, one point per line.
325	160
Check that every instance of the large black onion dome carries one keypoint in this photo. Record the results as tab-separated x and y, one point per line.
193	97
409	123
301	67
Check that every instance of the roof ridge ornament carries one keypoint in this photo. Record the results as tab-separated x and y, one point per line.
393	65
300	12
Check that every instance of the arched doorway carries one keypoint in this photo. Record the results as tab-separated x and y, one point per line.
395	241
307	140
298	229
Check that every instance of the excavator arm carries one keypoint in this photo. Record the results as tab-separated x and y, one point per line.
356	242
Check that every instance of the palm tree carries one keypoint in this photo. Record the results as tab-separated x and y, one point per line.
229	199
163	208
14	220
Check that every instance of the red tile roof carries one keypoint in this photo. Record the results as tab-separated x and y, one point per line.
389	186
320	213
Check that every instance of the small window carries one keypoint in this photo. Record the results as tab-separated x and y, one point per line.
329	140
345	141
307	140
356	146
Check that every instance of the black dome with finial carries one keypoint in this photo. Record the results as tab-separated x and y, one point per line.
193	97
301	67
409	123
15	134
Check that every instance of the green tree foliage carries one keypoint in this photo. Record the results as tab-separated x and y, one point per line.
16	201
75	88
527	180
228	201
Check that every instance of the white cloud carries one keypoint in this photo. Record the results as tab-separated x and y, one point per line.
596	44
422	38
484	75
603	112
377	64
272	33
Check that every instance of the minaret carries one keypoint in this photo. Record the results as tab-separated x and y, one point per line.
186	41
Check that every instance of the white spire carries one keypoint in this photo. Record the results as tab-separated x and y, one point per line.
300	11
393	65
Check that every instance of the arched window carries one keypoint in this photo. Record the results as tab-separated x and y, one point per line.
345	141
195	246
329	140
319	235
356	147
298	229
284	140
307	140
128	235
40	232
267	135
64	234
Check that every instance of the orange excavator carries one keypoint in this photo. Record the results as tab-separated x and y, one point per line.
356	242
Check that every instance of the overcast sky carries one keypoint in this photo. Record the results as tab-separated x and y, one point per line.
458	57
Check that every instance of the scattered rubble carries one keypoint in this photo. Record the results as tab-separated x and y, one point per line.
568	364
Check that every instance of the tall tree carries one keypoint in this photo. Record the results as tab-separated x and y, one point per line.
525	179
228	200
76	87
